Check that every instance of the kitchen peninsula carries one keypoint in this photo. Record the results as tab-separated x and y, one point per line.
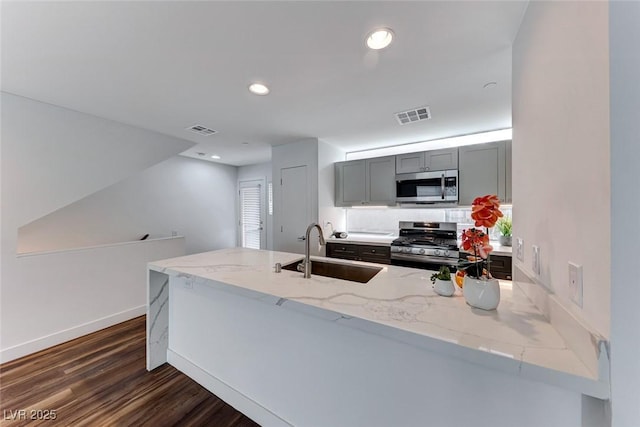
286	350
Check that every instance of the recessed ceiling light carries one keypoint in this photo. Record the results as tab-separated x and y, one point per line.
258	89
379	38
215	156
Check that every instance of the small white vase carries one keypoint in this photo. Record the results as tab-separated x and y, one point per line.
444	287
481	293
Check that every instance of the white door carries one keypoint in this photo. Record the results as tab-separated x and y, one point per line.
251	233
295	209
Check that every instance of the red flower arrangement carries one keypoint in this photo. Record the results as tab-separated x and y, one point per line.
485	211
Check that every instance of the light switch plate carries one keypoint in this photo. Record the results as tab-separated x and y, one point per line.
575	283
536	260
520	249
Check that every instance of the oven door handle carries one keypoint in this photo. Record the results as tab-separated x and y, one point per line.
442	186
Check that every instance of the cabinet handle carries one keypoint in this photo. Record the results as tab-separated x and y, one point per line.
373	251
426	168
442	185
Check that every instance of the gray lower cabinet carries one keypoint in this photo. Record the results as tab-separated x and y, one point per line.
483	170
501	265
365	182
368	253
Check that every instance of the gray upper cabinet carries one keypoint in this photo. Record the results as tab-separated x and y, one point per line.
381	182
423	161
366	182
410	163
350	183
483	170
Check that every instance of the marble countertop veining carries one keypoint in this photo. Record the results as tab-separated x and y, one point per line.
400	303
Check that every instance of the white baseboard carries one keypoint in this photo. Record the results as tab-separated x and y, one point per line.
233	397
29	347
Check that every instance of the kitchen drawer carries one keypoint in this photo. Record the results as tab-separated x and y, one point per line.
338	250
367	253
501	267
380	254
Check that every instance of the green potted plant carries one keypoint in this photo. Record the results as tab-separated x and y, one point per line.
442	283
504	227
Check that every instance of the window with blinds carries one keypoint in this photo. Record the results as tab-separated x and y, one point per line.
250	222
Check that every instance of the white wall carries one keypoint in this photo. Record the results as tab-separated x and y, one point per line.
68	294
561	171
327	212
191	197
624	33
260	171
52	157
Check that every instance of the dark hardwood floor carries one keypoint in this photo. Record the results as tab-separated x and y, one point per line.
101	380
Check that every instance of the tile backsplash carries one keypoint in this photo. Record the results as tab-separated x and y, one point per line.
385	220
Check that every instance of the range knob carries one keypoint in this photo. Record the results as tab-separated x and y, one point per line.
437	252
446	252
407	250
421	251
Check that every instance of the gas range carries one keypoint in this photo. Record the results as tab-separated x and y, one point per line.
426	245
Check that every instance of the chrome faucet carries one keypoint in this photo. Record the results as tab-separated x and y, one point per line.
305	266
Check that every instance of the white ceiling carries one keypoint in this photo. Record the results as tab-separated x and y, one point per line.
168	65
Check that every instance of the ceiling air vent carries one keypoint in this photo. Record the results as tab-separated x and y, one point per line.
201	130
413	115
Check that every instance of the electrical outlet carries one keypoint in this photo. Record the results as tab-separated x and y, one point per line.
520	249
536	260
575	283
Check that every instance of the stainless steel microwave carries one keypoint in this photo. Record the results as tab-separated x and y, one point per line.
427	187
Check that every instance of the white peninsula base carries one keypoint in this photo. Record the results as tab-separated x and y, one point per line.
282	362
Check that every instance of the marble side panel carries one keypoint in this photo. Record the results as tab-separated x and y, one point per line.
590	347
157	319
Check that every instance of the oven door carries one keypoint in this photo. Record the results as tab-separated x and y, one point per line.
427	187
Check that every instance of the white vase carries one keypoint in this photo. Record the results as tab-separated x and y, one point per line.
481	293
444	287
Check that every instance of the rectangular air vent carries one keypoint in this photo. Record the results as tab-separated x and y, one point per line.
413	115
201	130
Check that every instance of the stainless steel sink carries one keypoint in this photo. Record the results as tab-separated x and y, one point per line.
351	272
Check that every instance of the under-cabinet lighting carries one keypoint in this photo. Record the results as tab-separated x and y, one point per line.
434	144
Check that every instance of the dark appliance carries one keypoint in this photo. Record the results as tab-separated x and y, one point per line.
427	245
427	187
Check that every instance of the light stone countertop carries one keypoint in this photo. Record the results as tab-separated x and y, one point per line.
498	249
399	303
365	239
